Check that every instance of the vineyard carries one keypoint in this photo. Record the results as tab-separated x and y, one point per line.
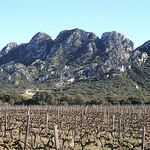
75	127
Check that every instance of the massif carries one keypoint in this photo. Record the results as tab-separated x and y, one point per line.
77	62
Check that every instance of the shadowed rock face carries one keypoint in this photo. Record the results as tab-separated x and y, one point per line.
74	54
38	48
145	48
38	45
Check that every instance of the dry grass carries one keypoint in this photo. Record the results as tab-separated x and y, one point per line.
26	95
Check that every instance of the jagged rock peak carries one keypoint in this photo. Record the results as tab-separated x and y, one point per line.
8	47
111	39
40	36
145	47
37	48
71	41
119	50
74	33
70	31
38	41
113	34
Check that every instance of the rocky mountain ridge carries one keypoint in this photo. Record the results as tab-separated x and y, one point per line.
145	47
73	56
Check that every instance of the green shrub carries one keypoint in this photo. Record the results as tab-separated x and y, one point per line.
44	98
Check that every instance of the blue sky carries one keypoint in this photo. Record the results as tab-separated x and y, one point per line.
20	20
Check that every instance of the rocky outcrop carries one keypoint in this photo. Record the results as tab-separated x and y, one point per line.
119	49
74	54
145	48
38	48
17	70
8	48
74	40
71	44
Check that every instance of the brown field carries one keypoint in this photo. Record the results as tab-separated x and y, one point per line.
94	127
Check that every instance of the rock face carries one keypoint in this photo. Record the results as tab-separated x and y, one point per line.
72	44
117	41
71	41
73	55
119	50
39	46
8	48
145	48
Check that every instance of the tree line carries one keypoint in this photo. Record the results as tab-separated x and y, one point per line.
47	98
